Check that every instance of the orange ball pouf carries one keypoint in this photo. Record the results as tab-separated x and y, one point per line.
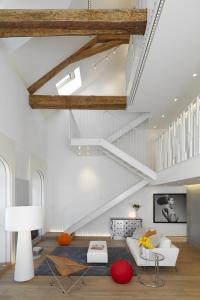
64	239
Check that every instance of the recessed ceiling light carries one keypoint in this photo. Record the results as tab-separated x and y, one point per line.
194	75
79	147
154	127
176	100
163	116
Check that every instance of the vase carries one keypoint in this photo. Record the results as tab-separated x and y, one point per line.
136	212
146	253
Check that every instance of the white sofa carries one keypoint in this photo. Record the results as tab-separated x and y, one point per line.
169	251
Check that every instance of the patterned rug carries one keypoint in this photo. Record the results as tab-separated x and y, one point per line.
79	254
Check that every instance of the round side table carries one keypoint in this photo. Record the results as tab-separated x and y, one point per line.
157	281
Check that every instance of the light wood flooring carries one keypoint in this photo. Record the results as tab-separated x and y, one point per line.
181	285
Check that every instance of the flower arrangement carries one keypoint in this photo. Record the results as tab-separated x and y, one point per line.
146	243
136	206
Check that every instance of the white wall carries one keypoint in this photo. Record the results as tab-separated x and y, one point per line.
22	130
145	198
78	184
18	121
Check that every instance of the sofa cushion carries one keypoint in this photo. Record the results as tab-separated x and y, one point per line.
139	232
165	242
156	239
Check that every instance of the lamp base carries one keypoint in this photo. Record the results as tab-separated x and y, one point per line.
24	269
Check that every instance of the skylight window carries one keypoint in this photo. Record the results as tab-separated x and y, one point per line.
70	83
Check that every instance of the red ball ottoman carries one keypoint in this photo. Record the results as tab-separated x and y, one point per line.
121	271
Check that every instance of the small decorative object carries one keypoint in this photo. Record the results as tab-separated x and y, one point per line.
121	271
146	246
136	207
169	208
64	239
97	247
146	243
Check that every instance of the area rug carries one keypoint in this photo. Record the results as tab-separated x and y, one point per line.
79	254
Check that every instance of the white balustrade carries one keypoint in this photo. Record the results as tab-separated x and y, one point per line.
181	140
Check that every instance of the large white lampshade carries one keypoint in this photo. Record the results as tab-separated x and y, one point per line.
23	219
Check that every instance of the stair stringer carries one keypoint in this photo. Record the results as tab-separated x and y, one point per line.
107	206
142	169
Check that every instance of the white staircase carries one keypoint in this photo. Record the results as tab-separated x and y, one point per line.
146	174
140	168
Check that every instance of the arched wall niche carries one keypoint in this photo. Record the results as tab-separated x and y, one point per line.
37	189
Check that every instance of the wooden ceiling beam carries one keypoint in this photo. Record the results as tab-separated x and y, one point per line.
78	102
51	22
112	37
86	51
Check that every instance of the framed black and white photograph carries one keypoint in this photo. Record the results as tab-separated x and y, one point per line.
169	208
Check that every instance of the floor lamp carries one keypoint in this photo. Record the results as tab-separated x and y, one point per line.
23	219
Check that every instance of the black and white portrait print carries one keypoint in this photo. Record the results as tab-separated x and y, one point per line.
169	208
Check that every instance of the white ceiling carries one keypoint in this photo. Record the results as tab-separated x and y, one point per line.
173	58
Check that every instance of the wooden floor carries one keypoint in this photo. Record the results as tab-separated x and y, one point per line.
181	285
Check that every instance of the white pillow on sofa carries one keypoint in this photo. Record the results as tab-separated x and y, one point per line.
165	243
156	239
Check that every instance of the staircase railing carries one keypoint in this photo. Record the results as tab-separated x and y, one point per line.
131	133
137	143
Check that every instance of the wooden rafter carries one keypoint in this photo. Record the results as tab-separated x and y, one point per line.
113	37
30	23
86	51
78	102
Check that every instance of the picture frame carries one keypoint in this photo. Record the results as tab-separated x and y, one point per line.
170	208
